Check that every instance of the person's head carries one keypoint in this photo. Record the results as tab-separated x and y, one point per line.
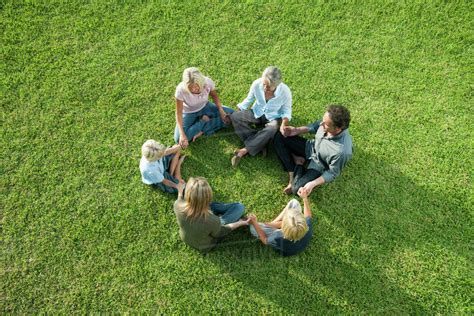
293	225
336	119
193	80
271	78
152	150
198	197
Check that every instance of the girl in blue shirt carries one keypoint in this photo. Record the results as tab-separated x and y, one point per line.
161	166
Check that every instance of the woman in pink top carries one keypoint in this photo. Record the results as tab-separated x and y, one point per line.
195	114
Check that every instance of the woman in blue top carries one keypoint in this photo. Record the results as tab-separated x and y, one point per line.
290	232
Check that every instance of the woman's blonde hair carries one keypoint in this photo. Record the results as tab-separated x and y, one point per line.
198	197
193	75
293	225
152	150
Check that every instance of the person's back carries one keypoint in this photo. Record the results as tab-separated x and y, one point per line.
286	247
201	232
290	232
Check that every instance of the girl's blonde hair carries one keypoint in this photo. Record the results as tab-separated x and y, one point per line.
293	225
198	197
193	75
152	150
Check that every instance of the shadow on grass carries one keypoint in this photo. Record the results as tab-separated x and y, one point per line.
381	244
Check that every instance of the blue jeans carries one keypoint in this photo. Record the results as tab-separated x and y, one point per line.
228	212
192	123
167	175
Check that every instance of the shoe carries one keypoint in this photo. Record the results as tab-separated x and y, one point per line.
264	152
235	160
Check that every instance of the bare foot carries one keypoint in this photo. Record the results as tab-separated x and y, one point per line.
205	118
287	190
198	135
298	160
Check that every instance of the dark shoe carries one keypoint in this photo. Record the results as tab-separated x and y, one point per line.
264	152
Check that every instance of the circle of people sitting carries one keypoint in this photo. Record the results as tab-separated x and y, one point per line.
261	118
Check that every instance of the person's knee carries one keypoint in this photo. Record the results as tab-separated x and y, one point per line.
228	110
295	187
278	138
237	115
239	210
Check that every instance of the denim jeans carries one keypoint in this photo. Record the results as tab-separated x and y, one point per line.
167	175
228	212
192	123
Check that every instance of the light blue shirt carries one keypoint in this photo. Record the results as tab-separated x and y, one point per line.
152	171
277	107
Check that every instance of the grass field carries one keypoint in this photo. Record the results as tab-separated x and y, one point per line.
84	85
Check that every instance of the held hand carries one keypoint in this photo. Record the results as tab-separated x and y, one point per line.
289	131
252	218
243	222
181	184
308	187
303	193
224	117
183	141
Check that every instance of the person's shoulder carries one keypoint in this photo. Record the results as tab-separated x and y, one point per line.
180	89
179	205
284	87
145	163
257	81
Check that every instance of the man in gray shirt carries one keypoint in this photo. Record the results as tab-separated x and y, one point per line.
326	154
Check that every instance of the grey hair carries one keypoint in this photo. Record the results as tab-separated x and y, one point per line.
273	75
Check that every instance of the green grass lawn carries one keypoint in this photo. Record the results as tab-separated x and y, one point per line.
84	85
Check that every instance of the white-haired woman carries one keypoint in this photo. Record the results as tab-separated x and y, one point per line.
195	114
161	166
290	232
203	223
271	102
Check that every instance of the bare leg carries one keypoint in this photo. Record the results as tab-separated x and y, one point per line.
242	152
287	189
174	161
197	136
177	173
279	218
298	160
238	154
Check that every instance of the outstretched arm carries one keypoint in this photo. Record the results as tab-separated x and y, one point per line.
258	229
218	103
183	140
289	131
303	193
237	224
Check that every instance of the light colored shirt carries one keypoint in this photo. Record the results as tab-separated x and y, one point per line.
152	171
201	233
328	154
277	107
194	102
